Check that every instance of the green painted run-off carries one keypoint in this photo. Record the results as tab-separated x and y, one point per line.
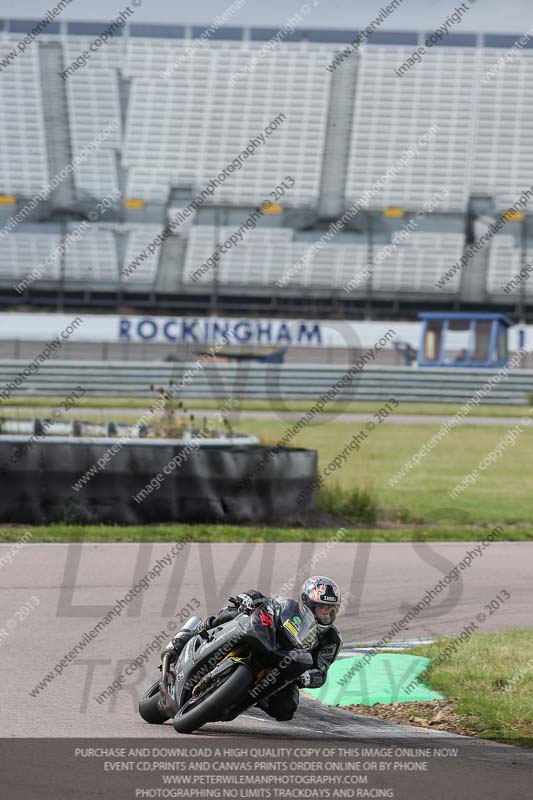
386	678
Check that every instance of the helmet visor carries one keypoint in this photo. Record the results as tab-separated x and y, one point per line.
325	613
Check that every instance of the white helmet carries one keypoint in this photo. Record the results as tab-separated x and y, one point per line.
324	593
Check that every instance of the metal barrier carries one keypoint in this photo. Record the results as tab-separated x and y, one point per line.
273	383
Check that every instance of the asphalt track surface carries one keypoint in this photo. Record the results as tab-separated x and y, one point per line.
393	419
76	585
283	416
378	578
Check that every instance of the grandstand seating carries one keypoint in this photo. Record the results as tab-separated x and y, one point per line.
172	137
93	102
90	257
502	164
261	258
391	113
333	265
93	258
21	253
182	120
505	262
267	255
419	262
143	265
110	57
23	154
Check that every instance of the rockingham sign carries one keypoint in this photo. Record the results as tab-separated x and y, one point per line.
228	331
209	330
200	331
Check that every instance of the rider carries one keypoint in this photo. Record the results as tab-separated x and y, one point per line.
322	596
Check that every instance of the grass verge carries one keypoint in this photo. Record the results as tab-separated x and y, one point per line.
500	495
234	533
409	494
491	677
355	407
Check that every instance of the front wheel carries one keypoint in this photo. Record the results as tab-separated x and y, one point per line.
211	707
149	706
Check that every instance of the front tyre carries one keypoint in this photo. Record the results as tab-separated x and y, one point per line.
149	708
212	707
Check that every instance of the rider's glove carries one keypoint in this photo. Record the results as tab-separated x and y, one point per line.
249	604
305	680
248	601
312	679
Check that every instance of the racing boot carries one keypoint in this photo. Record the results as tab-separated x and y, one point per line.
175	647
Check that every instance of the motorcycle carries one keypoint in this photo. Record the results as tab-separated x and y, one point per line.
224	671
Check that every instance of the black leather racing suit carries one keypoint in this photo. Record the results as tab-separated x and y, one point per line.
283	704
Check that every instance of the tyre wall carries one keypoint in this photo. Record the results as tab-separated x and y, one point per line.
146	481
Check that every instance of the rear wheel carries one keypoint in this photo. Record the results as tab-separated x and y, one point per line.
211	705
149	708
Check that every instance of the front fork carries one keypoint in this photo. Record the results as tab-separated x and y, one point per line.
165	667
166	678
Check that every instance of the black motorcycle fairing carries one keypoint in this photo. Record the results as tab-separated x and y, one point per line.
274	640
296	623
199	657
282	624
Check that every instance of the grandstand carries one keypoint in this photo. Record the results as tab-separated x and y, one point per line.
179	117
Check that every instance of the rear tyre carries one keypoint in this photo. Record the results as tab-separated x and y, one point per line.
149	708
211	708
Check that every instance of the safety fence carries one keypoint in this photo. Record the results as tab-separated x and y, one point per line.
271	382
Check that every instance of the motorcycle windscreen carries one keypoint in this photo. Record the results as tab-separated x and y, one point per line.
297	624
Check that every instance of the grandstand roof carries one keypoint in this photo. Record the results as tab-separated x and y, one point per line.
465	315
258	34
